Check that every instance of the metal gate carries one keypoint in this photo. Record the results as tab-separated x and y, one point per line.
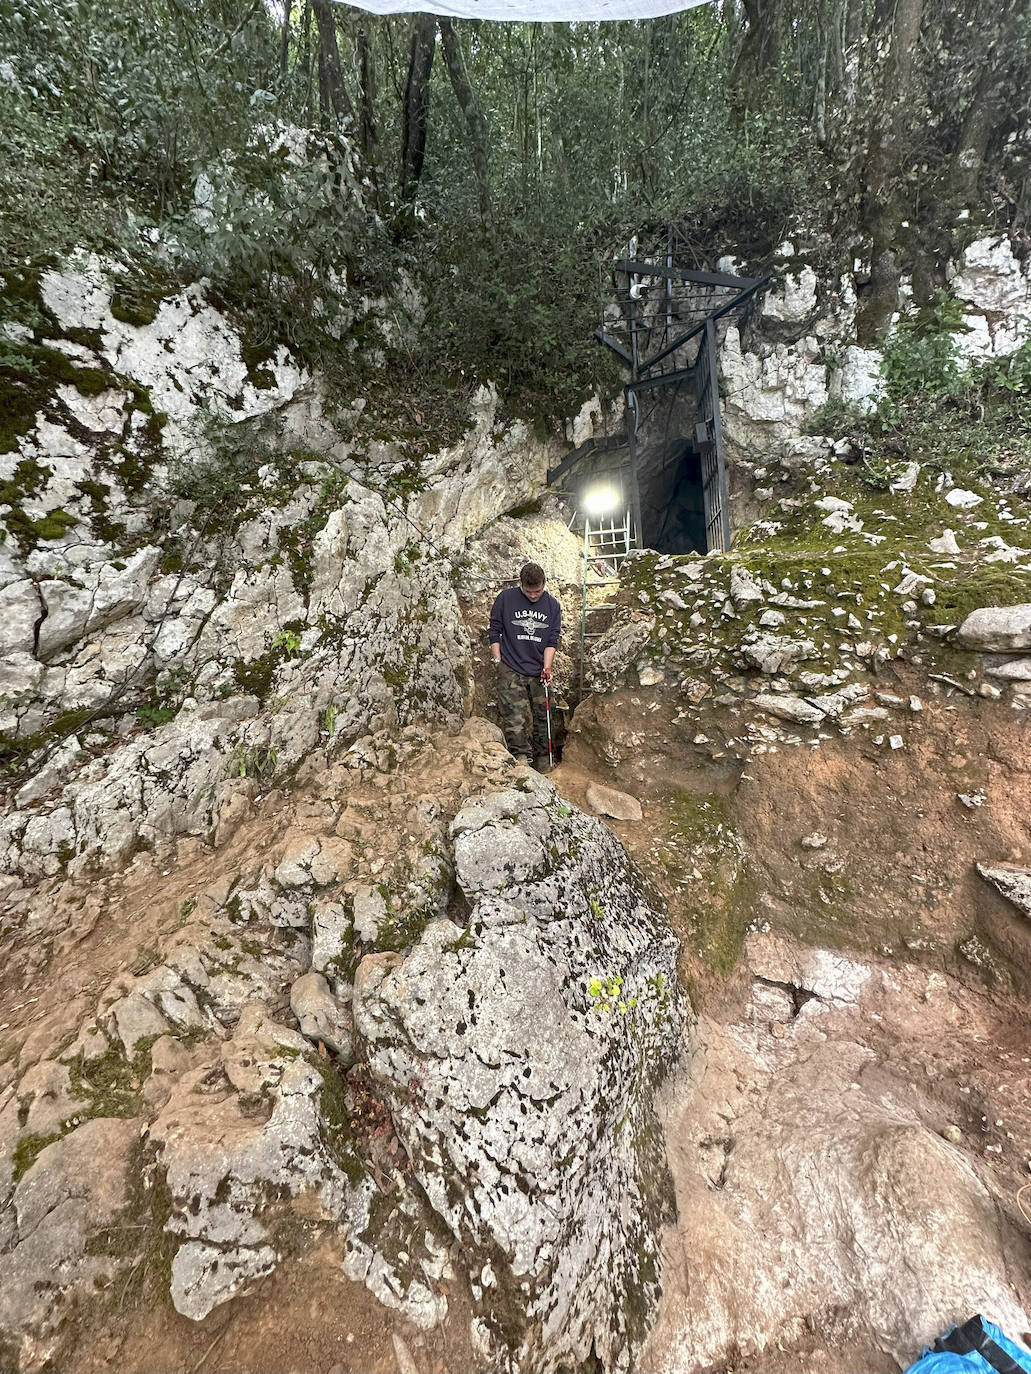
709	438
669	340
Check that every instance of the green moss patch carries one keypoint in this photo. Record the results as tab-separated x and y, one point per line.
28	1149
721	900
335	1126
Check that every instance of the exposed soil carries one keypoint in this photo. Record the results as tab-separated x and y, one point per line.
307	1318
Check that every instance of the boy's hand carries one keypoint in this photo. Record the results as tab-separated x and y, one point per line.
545	674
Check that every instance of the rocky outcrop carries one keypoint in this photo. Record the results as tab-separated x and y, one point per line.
800	348
520	1052
822	1197
427	989
141	685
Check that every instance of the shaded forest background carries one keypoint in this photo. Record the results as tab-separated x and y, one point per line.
305	158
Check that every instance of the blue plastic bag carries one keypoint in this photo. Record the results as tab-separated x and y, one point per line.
976	1347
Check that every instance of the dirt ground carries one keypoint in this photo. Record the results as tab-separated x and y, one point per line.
307	1318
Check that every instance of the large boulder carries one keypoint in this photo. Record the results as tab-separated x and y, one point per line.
520	1053
76	1188
996	629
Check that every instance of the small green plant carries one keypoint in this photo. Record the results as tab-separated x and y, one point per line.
149	717
249	762
289	641
607	995
922	356
329	721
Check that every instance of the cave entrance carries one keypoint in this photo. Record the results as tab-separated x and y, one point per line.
673	518
660	316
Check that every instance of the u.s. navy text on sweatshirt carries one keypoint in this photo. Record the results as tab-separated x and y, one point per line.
524	629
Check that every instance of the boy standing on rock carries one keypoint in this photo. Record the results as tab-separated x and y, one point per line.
525	623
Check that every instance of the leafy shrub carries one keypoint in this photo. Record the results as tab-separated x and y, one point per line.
922	357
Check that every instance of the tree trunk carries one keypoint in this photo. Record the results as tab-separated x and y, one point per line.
368	134
892	106
558	142
417	102
470	107
333	97
284	40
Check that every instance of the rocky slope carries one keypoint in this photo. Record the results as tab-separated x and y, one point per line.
308	986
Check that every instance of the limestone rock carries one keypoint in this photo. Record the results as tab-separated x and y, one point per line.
321	1016
773	654
997	629
76	1187
991	278
963	500
617	649
1012	881
744	589
901	1236
607	801
536	1035
1014	670
20	609
227	1168
907	479
787	706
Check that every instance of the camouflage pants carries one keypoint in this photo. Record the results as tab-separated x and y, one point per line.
522	712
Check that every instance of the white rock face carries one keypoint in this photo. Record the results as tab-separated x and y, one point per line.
536	1035
773	385
224	1168
371	638
794	300
770	397
859	380
993	283
20	609
77	1186
797	1127
189	354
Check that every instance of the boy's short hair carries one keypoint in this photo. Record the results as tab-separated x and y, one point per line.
531	575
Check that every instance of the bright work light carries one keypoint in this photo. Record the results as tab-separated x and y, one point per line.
601	501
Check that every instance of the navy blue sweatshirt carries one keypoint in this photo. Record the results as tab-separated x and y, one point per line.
524	629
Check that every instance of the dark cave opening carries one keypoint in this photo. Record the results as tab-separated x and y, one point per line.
672	500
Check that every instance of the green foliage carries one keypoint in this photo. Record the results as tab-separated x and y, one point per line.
975	419
288	641
606	993
921	357
149	717
248	761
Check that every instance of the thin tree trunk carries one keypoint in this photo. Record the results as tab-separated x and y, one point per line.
284	40
336	103
471	108
417	102
558	143
368	134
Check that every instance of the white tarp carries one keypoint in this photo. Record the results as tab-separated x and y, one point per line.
530	11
